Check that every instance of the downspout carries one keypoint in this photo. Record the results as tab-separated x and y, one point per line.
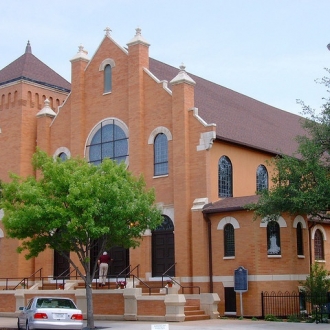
209	237
310	243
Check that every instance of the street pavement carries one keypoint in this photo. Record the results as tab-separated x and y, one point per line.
215	324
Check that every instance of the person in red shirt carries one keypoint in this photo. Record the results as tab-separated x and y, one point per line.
103	263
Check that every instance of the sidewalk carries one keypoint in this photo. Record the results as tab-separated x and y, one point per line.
218	324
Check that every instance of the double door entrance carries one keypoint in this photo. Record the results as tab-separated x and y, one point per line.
163	249
162	254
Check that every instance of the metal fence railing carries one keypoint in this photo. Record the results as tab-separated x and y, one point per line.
298	304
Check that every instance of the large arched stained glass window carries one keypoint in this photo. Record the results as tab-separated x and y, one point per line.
225	177
318	245
262	178
108	140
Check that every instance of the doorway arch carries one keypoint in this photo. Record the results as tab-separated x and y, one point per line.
163	248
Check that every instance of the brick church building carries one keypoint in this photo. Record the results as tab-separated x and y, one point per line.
202	147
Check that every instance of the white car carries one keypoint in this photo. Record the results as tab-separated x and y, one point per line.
50	313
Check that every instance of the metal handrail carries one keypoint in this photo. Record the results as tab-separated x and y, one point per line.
25	281
39	270
176	282
137	267
168	269
129	274
146	284
128	267
65	275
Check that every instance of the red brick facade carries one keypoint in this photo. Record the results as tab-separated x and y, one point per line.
145	104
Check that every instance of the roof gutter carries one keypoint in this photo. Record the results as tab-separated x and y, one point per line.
35	81
223	209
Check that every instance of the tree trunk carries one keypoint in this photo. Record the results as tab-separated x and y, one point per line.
89	297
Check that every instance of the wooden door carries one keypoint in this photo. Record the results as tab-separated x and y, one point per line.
61	264
163	249
230	301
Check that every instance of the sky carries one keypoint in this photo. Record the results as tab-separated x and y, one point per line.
271	50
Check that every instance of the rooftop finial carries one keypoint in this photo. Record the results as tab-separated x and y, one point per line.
138	31
28	48
182	77
138	39
107	31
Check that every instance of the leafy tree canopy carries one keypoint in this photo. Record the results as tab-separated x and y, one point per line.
73	205
317	282
301	182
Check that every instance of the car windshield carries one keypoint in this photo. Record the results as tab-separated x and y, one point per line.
55	303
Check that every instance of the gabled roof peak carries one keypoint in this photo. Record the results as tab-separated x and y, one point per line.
28	49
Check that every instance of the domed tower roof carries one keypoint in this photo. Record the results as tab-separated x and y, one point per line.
30	68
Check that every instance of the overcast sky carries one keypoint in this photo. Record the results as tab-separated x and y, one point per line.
271	50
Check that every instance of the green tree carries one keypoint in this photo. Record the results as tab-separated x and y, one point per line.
317	283
301	182
316	288
73	204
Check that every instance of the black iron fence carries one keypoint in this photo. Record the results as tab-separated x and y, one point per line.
298	304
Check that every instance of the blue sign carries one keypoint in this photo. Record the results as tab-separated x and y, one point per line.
241	279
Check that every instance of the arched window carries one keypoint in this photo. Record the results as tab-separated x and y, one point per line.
300	245
63	156
262	178
63	153
318	245
229	240
225	177
273	238
166	225
107	78
161	154
109	139
107	66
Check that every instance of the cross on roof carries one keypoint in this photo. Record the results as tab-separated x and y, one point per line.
107	31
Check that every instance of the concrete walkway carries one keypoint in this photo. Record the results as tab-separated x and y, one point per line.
218	324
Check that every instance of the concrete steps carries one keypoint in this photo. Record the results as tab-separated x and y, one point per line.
48	286
155	287
194	313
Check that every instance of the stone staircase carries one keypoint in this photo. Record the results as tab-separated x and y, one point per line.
194	313
155	287
48	286
192	310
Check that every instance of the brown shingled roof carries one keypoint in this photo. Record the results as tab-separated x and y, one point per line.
230	204
239	118
28	67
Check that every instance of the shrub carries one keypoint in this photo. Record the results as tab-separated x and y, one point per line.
273	318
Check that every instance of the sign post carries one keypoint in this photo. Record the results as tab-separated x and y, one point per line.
241	283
